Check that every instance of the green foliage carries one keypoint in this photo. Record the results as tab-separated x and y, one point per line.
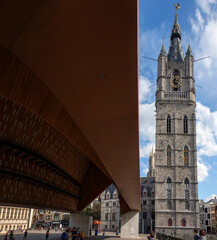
94	212
214	226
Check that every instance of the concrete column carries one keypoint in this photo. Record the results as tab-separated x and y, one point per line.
130	225
82	221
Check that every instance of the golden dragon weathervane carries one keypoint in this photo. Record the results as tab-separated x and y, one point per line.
177	6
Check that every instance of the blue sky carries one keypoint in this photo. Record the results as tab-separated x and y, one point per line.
198	22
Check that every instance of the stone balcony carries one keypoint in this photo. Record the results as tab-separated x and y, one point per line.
176	95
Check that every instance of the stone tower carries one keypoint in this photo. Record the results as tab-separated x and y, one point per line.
176	184
151	170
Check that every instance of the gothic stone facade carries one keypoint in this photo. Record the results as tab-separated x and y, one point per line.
176	187
110	209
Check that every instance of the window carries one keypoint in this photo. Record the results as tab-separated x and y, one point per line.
168	124
187	192
144	194
169	205
205	210
170	223
152	202
208	216
152	215
168	155
12	212
107	195
187	206
183	223
3	213
106	216
186	161
169	187
106	226
113	226
8	212
185	124
144	215
153	194
114	204
113	216
114	195
144	202
107	204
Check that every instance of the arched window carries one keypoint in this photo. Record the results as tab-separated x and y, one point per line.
186	159
170	223
168	124
169	205
168	155
144	194
187	206
108	195
183	223
169	188
187	192
185	124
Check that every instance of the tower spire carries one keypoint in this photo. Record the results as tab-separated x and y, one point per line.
175	53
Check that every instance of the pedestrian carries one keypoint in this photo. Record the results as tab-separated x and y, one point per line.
103	231
196	236
82	235
6	236
96	231
74	233
116	232
25	235
47	235
64	236
202	234
151	236
11	235
172	233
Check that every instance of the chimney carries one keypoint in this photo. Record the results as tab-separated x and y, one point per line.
215	197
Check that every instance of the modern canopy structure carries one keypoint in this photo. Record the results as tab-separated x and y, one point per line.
69	102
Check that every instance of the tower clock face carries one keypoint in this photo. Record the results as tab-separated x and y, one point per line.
175	80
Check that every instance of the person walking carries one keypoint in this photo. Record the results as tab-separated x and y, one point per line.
196	236
116	232
6	236
25	235
47	235
64	236
151	236
202	234
11	235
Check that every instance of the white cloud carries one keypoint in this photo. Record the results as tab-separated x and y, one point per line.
145	149
212	196
147	122
206	5
202	171
206	131
144	89
144	168
204	40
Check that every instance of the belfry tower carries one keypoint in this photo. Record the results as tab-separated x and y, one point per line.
176	184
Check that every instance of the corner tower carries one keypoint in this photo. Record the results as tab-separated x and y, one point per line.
176	184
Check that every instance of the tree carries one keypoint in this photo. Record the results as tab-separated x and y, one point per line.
94	212
214	226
